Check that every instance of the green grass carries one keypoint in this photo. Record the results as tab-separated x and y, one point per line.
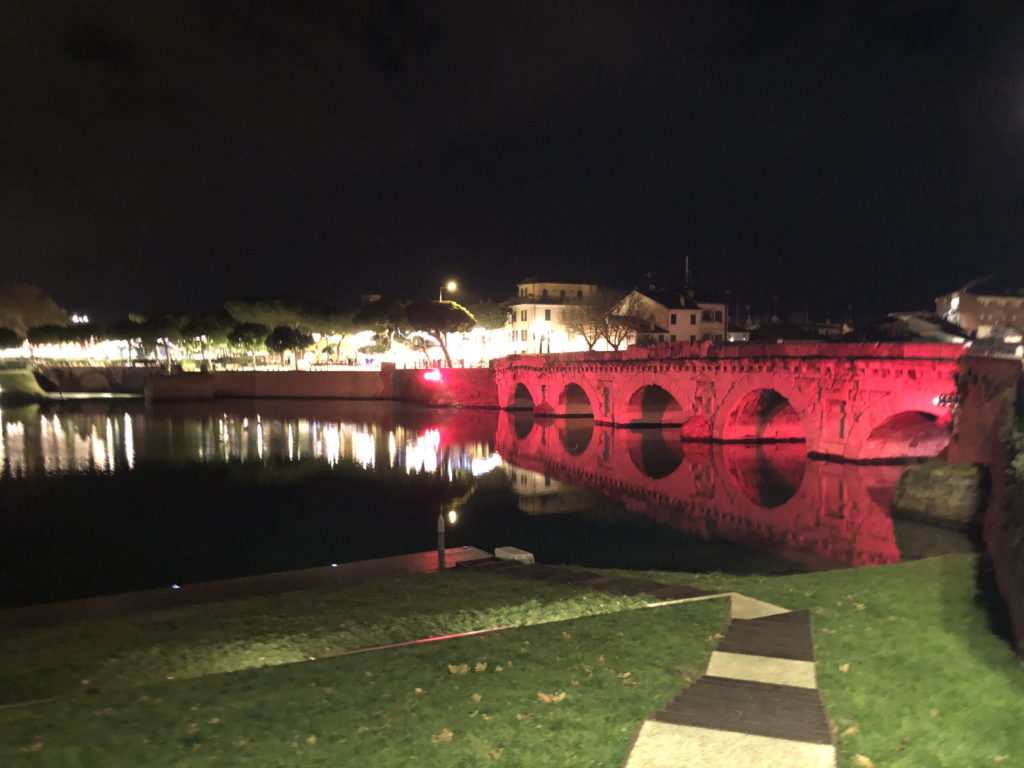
407	706
928	683
194	641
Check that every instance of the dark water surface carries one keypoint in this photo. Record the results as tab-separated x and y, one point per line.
107	497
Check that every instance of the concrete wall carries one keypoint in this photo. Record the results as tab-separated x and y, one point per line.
990	391
115	378
467	387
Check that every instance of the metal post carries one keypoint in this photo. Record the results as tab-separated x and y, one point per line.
440	541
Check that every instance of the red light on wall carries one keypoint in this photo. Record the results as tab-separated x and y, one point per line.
432	375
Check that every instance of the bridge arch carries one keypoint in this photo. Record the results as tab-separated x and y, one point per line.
655	406
574	400
521	399
899	426
656	452
766	413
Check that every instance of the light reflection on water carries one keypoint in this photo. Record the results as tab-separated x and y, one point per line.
768	498
91	438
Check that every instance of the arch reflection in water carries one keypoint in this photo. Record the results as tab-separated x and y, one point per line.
767	497
104	438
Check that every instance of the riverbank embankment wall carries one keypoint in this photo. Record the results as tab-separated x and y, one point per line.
990	395
466	387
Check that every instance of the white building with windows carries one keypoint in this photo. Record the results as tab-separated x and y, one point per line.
677	316
536	324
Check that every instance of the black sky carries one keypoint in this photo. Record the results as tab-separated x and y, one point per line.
170	155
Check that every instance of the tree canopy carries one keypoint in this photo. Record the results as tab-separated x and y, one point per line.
439	318
10	339
24	306
283	338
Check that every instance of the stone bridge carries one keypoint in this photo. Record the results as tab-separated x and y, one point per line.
769	498
858	402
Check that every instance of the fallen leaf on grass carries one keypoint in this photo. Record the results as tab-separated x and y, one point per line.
35	747
933	712
480	666
853	730
213	720
828	631
521	716
551	698
311	739
487	717
894	618
239	742
499	668
496	753
845	668
859	606
999	758
903	743
476	697
458	669
861	760
566	635
417	691
444	735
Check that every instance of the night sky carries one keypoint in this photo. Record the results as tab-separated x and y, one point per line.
171	155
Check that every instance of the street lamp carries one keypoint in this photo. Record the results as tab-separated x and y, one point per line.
451	286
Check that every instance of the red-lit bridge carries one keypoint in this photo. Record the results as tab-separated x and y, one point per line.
859	402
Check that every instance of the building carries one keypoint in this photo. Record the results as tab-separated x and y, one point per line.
536	317
677	316
997	315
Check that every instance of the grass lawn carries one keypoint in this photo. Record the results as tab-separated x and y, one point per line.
198	640
910	670
911	673
563	693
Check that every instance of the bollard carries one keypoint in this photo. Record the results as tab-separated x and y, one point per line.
440	542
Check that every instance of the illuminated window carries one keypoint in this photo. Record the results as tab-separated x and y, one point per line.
522	315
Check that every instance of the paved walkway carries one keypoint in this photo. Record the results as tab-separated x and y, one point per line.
232	589
756	705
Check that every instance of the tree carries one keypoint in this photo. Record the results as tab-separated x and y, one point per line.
162	331
439	318
283	338
606	314
10	339
250	337
624	319
488	314
586	319
24	306
207	330
384	317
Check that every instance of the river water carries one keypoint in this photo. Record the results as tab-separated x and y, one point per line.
106	497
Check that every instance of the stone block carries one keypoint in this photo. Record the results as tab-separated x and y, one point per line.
514	553
947	494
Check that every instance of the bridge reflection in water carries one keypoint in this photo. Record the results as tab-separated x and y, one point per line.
766	496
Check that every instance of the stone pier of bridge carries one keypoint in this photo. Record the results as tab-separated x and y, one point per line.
857	402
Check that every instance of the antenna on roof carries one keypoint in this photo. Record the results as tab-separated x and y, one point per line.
688	278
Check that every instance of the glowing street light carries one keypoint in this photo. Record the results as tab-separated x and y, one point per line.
451	286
